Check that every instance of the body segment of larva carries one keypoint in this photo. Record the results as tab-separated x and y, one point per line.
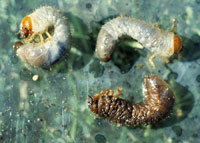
159	100
150	36
52	29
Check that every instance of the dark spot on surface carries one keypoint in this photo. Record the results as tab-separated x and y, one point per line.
190	49
198	78
96	68
57	133
63	48
51	30
26	74
195	135
88	5
79	62
14	59
172	76
99	138
126	84
184	16
198	1
41	120
177	130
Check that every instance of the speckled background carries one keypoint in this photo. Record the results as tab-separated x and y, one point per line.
54	108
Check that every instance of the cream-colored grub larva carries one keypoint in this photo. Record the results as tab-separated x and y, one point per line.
159	42
47	24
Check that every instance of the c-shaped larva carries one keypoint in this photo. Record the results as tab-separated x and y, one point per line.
47	24
159	42
159	100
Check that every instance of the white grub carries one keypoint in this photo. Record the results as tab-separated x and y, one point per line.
47	21
159	42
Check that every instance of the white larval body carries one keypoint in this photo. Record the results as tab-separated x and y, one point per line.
149	35
47	53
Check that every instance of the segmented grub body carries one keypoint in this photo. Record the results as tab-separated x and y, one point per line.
150	36
159	100
43	22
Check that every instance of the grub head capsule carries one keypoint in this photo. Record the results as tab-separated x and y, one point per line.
26	27
92	104
177	43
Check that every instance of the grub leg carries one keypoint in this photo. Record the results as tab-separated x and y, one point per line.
174	25
151	60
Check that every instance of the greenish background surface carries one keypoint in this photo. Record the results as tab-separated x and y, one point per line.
54	108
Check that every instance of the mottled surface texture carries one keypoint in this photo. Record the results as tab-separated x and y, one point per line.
54	108
159	100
